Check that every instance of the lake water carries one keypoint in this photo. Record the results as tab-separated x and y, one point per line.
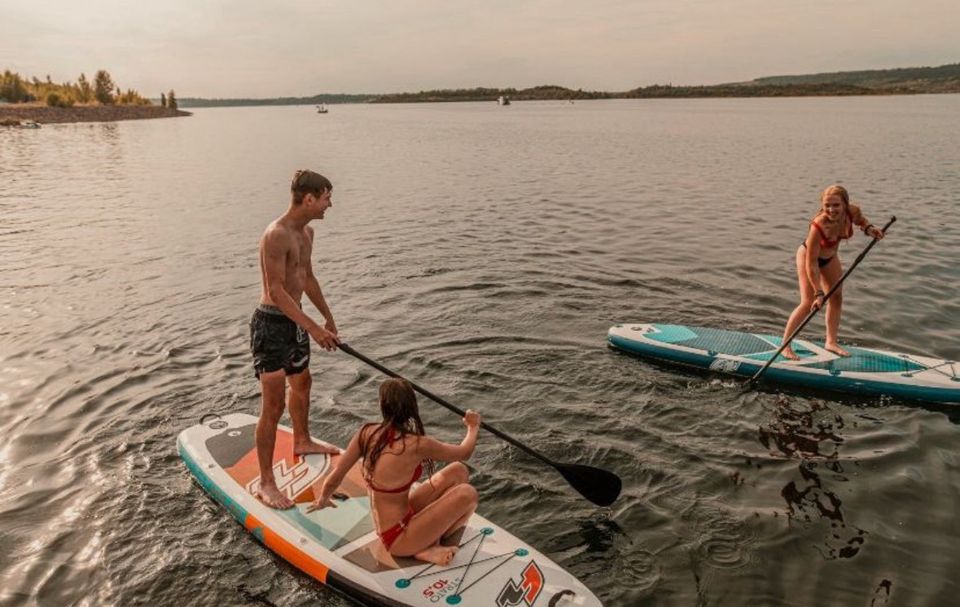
484	251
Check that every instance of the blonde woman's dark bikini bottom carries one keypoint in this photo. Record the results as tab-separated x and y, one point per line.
821	261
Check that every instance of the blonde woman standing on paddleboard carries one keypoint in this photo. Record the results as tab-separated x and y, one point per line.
410	520
818	264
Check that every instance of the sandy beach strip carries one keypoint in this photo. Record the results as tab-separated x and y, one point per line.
85	113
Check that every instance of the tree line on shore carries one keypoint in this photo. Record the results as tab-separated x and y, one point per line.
899	81
15	88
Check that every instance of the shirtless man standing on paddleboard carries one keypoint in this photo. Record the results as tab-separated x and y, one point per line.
279	327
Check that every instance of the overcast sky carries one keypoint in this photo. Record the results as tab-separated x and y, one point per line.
264	48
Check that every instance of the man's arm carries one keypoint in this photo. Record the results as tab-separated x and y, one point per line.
275	248
312	288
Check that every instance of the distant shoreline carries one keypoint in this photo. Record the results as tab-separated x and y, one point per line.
729	91
896	81
44	114
552	93
944	79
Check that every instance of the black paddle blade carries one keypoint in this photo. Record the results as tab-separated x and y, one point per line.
599	486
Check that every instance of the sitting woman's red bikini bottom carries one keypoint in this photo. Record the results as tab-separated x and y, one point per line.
389	536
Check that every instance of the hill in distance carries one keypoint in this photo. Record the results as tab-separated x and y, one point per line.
942	79
899	81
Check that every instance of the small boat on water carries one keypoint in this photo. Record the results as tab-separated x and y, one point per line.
322	109
503	100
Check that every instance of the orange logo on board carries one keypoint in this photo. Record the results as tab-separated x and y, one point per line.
526	592
294	480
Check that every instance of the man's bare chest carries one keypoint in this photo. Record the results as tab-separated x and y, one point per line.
298	252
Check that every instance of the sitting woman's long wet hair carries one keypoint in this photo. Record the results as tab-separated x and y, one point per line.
398	405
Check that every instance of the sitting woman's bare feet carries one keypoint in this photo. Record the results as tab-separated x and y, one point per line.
789	353
438	555
835	348
307	448
273	497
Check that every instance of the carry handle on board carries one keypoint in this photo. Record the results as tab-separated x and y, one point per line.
813	313
597	485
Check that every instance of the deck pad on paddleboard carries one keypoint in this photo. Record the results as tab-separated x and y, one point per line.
339	546
866	371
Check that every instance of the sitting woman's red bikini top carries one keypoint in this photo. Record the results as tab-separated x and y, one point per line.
826	243
416	473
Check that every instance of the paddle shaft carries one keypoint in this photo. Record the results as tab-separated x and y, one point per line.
446	404
813	312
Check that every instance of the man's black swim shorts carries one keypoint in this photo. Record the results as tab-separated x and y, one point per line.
277	342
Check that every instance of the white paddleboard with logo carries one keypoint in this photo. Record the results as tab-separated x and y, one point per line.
340	547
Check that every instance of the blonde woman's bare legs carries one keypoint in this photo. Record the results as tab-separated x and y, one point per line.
829	275
806	300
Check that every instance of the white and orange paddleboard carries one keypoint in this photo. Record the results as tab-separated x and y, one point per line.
340	547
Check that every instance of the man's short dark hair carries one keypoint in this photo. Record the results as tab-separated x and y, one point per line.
307	182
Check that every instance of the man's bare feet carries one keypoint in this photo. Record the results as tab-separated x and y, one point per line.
836	349
438	555
271	496
789	353
306	448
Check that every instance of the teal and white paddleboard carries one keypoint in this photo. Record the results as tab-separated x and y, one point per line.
339	546
867	371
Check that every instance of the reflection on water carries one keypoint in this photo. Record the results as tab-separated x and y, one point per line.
811	433
882	595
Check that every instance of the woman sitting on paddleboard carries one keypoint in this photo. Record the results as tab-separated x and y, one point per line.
410	520
818	265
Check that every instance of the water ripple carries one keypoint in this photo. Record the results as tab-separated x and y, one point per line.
484	254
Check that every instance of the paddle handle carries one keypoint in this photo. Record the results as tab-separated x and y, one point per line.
813	312
349	350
